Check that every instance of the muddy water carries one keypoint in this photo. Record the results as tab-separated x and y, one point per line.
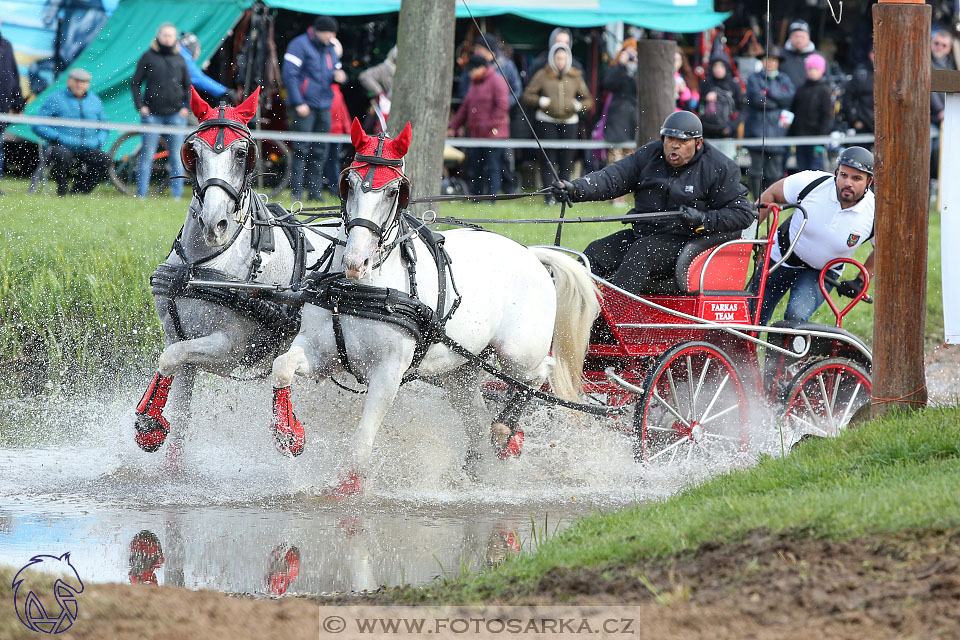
236	516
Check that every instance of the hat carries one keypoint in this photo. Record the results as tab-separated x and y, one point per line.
773	52
191	43
475	61
798	25
80	74
815	61
486	40
325	23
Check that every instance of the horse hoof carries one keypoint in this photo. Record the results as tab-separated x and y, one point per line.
350	485
513	447
151	432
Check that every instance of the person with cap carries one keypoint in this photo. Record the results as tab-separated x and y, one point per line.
74	146
941	58
486	113
161	93
11	100
486	45
769	98
559	94
813	106
796	50
680	172
840	208
721	98
310	66
204	84
378	81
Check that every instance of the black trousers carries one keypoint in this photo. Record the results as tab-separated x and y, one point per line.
562	159
92	165
630	261
772	164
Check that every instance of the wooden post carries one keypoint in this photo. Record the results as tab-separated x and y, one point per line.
902	106
421	89
654	87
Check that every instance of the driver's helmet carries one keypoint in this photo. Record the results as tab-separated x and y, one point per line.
683	125
857	158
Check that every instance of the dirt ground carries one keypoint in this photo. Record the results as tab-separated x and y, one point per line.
906	586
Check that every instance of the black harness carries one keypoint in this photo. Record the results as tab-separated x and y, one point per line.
280	321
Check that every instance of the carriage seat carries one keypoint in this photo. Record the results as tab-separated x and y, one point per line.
727	270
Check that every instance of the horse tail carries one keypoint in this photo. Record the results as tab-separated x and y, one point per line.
577	307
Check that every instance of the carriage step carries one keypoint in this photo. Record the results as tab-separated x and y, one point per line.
620	382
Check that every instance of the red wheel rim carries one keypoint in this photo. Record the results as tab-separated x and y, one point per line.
826	397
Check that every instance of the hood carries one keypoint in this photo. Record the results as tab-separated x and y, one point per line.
550	54
156	47
553	36
720	57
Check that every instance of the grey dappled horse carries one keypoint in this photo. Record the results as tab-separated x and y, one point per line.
209	329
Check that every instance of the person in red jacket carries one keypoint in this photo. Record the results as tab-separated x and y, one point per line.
485	112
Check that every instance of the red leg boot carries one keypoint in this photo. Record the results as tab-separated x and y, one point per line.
287	430
152	427
514	445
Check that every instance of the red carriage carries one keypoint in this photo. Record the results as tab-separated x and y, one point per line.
688	355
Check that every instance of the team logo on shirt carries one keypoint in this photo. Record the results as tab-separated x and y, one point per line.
852	239
688	188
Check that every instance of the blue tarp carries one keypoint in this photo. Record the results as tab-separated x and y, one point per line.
676	16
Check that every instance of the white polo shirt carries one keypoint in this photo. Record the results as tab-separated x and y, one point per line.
831	231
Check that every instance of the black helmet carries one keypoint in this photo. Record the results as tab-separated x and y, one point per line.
683	125
858	158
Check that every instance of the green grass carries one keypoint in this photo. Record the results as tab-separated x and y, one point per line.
894	474
74	275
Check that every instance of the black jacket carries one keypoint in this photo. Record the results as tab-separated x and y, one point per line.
167	81
813	109
621	125
10	97
857	103
710	182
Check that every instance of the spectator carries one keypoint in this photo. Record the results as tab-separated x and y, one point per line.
687	98
560	35
378	81
795	52
857	103
161	91
10	98
620	127
559	94
204	84
310	66
506	68
339	123
941	57
769	96
74	145
721	99
814	107
486	112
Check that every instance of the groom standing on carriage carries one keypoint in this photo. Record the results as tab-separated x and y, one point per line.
679	172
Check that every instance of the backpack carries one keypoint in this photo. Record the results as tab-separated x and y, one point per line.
719	113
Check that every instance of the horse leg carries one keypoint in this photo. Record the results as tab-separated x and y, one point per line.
179	403
383	383
288	431
463	386
505	433
151	425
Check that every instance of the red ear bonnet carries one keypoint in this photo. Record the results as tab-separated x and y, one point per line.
393	149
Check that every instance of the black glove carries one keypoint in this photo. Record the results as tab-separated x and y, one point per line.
693	218
850	288
563	190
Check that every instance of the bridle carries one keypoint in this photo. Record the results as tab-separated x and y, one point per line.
189	158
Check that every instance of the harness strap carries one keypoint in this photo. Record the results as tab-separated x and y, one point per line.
223	184
359	157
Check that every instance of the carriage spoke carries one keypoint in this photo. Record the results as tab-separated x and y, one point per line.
691	397
836	391
826	405
806	402
703	376
718	414
671	447
661	429
673	390
717	436
675	413
810	425
716	394
850	403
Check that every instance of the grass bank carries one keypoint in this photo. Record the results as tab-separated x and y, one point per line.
892	475
74	271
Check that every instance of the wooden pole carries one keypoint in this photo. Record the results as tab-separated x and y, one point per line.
654	87
902	106
421	88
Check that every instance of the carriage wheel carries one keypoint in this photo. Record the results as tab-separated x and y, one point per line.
693	407
824	396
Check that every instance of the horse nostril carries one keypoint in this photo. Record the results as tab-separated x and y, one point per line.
221	226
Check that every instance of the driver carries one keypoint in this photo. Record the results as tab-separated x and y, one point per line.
679	172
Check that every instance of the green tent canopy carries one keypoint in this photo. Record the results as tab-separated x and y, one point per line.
676	16
112	57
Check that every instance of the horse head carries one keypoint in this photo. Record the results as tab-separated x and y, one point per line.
374	190
220	157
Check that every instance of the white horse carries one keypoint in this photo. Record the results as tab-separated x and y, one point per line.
509	307
216	330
